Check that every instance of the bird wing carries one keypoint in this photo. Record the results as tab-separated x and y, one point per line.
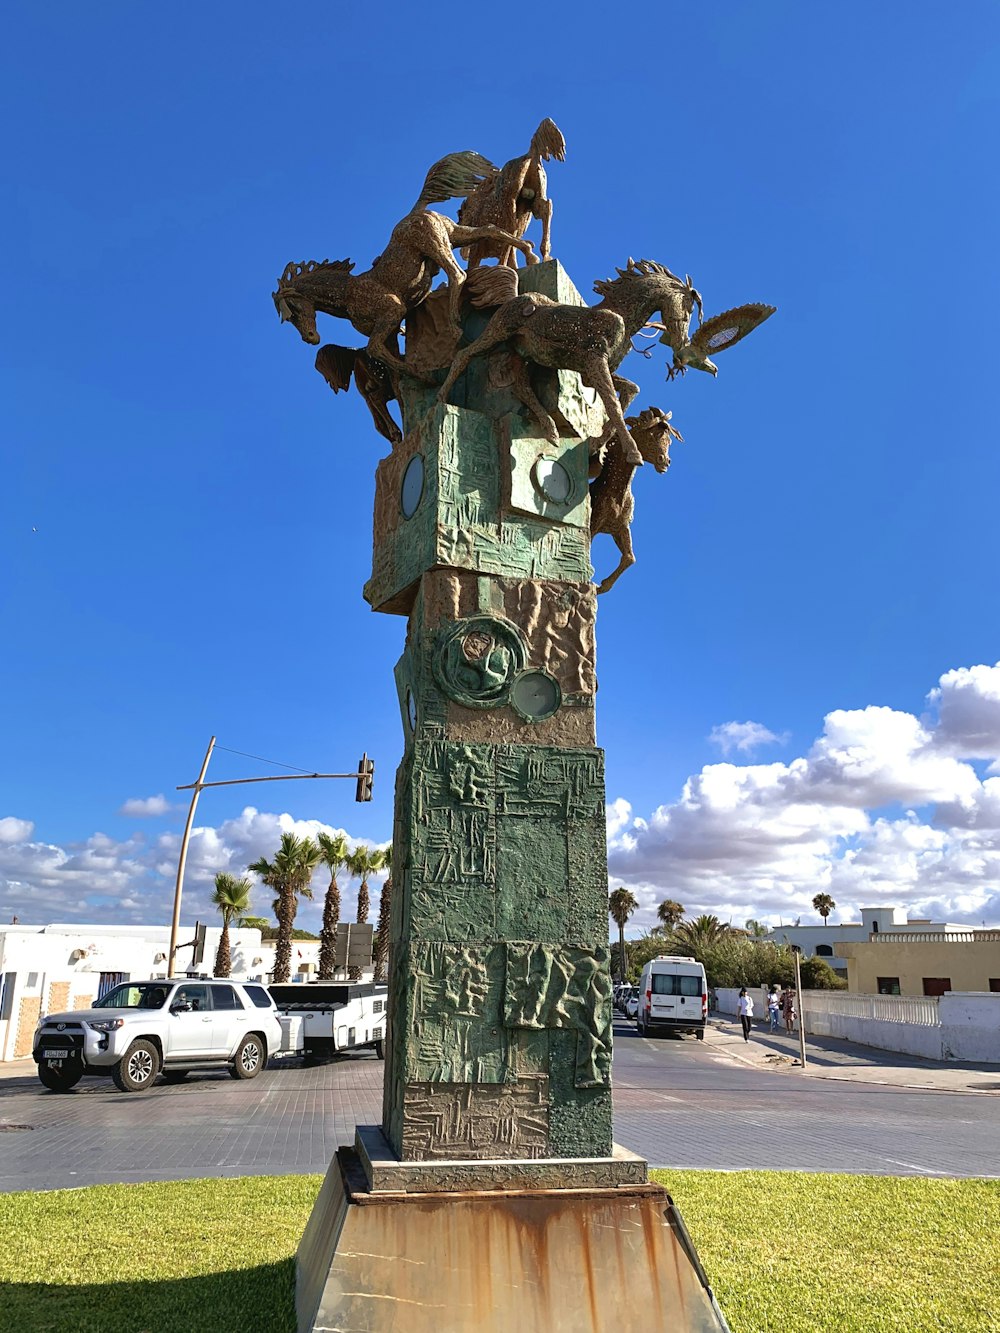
723	331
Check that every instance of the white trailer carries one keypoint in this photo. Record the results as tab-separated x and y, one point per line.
320	1019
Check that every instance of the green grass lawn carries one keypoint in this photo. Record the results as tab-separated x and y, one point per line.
785	1252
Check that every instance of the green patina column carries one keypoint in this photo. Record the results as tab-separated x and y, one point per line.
500	1042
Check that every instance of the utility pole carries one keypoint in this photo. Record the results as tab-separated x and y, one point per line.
176	922
364	777
797	953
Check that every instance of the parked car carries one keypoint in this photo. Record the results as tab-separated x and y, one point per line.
631	1002
673	996
167	1025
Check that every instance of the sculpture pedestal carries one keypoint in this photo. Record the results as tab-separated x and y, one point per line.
516	1258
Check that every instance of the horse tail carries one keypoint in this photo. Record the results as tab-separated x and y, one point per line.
547	141
454	177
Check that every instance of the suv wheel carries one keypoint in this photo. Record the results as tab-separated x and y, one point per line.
137	1068
60	1079
249	1058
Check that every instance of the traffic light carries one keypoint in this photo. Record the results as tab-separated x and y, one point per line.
366	771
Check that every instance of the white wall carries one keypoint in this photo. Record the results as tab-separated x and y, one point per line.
970	1025
958	1026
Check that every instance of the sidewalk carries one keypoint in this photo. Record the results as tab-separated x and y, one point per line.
829	1057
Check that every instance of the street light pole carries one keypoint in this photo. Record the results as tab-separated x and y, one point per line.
195	793
364	775
797	954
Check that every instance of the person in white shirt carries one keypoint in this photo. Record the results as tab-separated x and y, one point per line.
745	1010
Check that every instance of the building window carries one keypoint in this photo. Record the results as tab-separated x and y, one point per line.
874	927
888	985
936	985
824	950
995	983
108	981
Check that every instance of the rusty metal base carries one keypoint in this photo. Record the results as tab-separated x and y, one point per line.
599	1260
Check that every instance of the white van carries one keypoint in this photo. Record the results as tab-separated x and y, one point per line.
673	995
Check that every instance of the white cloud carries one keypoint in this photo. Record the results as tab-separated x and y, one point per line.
132	881
968	705
762	840
141	807
883	809
15	830
743	737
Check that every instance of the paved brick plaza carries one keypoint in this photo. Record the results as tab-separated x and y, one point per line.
679	1103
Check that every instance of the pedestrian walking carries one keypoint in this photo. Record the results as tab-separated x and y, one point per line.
745	1010
773	1008
788	1009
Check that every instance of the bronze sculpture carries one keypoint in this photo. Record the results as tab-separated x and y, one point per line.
591	340
515	195
612	504
497	1122
373	378
525	331
377	300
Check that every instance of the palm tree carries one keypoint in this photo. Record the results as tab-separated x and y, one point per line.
755	929
824	905
669	913
232	898
384	918
289	874
333	853
362	862
621	904
702	931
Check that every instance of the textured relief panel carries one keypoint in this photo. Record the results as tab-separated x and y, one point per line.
588	879
443	1121
537	781
572	726
580	1119
556	619
456	1034
532	878
548	986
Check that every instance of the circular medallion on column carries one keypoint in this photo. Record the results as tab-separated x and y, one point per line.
412	488
536	695
554	482
476	660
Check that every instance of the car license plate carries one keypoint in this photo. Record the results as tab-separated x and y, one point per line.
54	1055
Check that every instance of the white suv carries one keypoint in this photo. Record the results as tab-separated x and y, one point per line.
172	1025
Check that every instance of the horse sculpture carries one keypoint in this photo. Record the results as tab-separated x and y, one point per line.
612	504
375	383
512	197
376	301
593	340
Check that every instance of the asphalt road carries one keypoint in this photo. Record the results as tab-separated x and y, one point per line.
679	1103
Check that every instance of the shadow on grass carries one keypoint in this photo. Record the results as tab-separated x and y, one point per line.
249	1300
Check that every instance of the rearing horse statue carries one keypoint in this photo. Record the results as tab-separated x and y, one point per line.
593	340
376	301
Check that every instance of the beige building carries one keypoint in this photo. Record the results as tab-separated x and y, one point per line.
928	962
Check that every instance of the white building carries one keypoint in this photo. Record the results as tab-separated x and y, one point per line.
45	969
821	941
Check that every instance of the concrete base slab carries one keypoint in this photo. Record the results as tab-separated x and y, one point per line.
384	1171
607	1260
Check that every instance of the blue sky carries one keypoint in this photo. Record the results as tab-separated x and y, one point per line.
824	543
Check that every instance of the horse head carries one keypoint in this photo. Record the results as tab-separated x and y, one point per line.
652	432
307	287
